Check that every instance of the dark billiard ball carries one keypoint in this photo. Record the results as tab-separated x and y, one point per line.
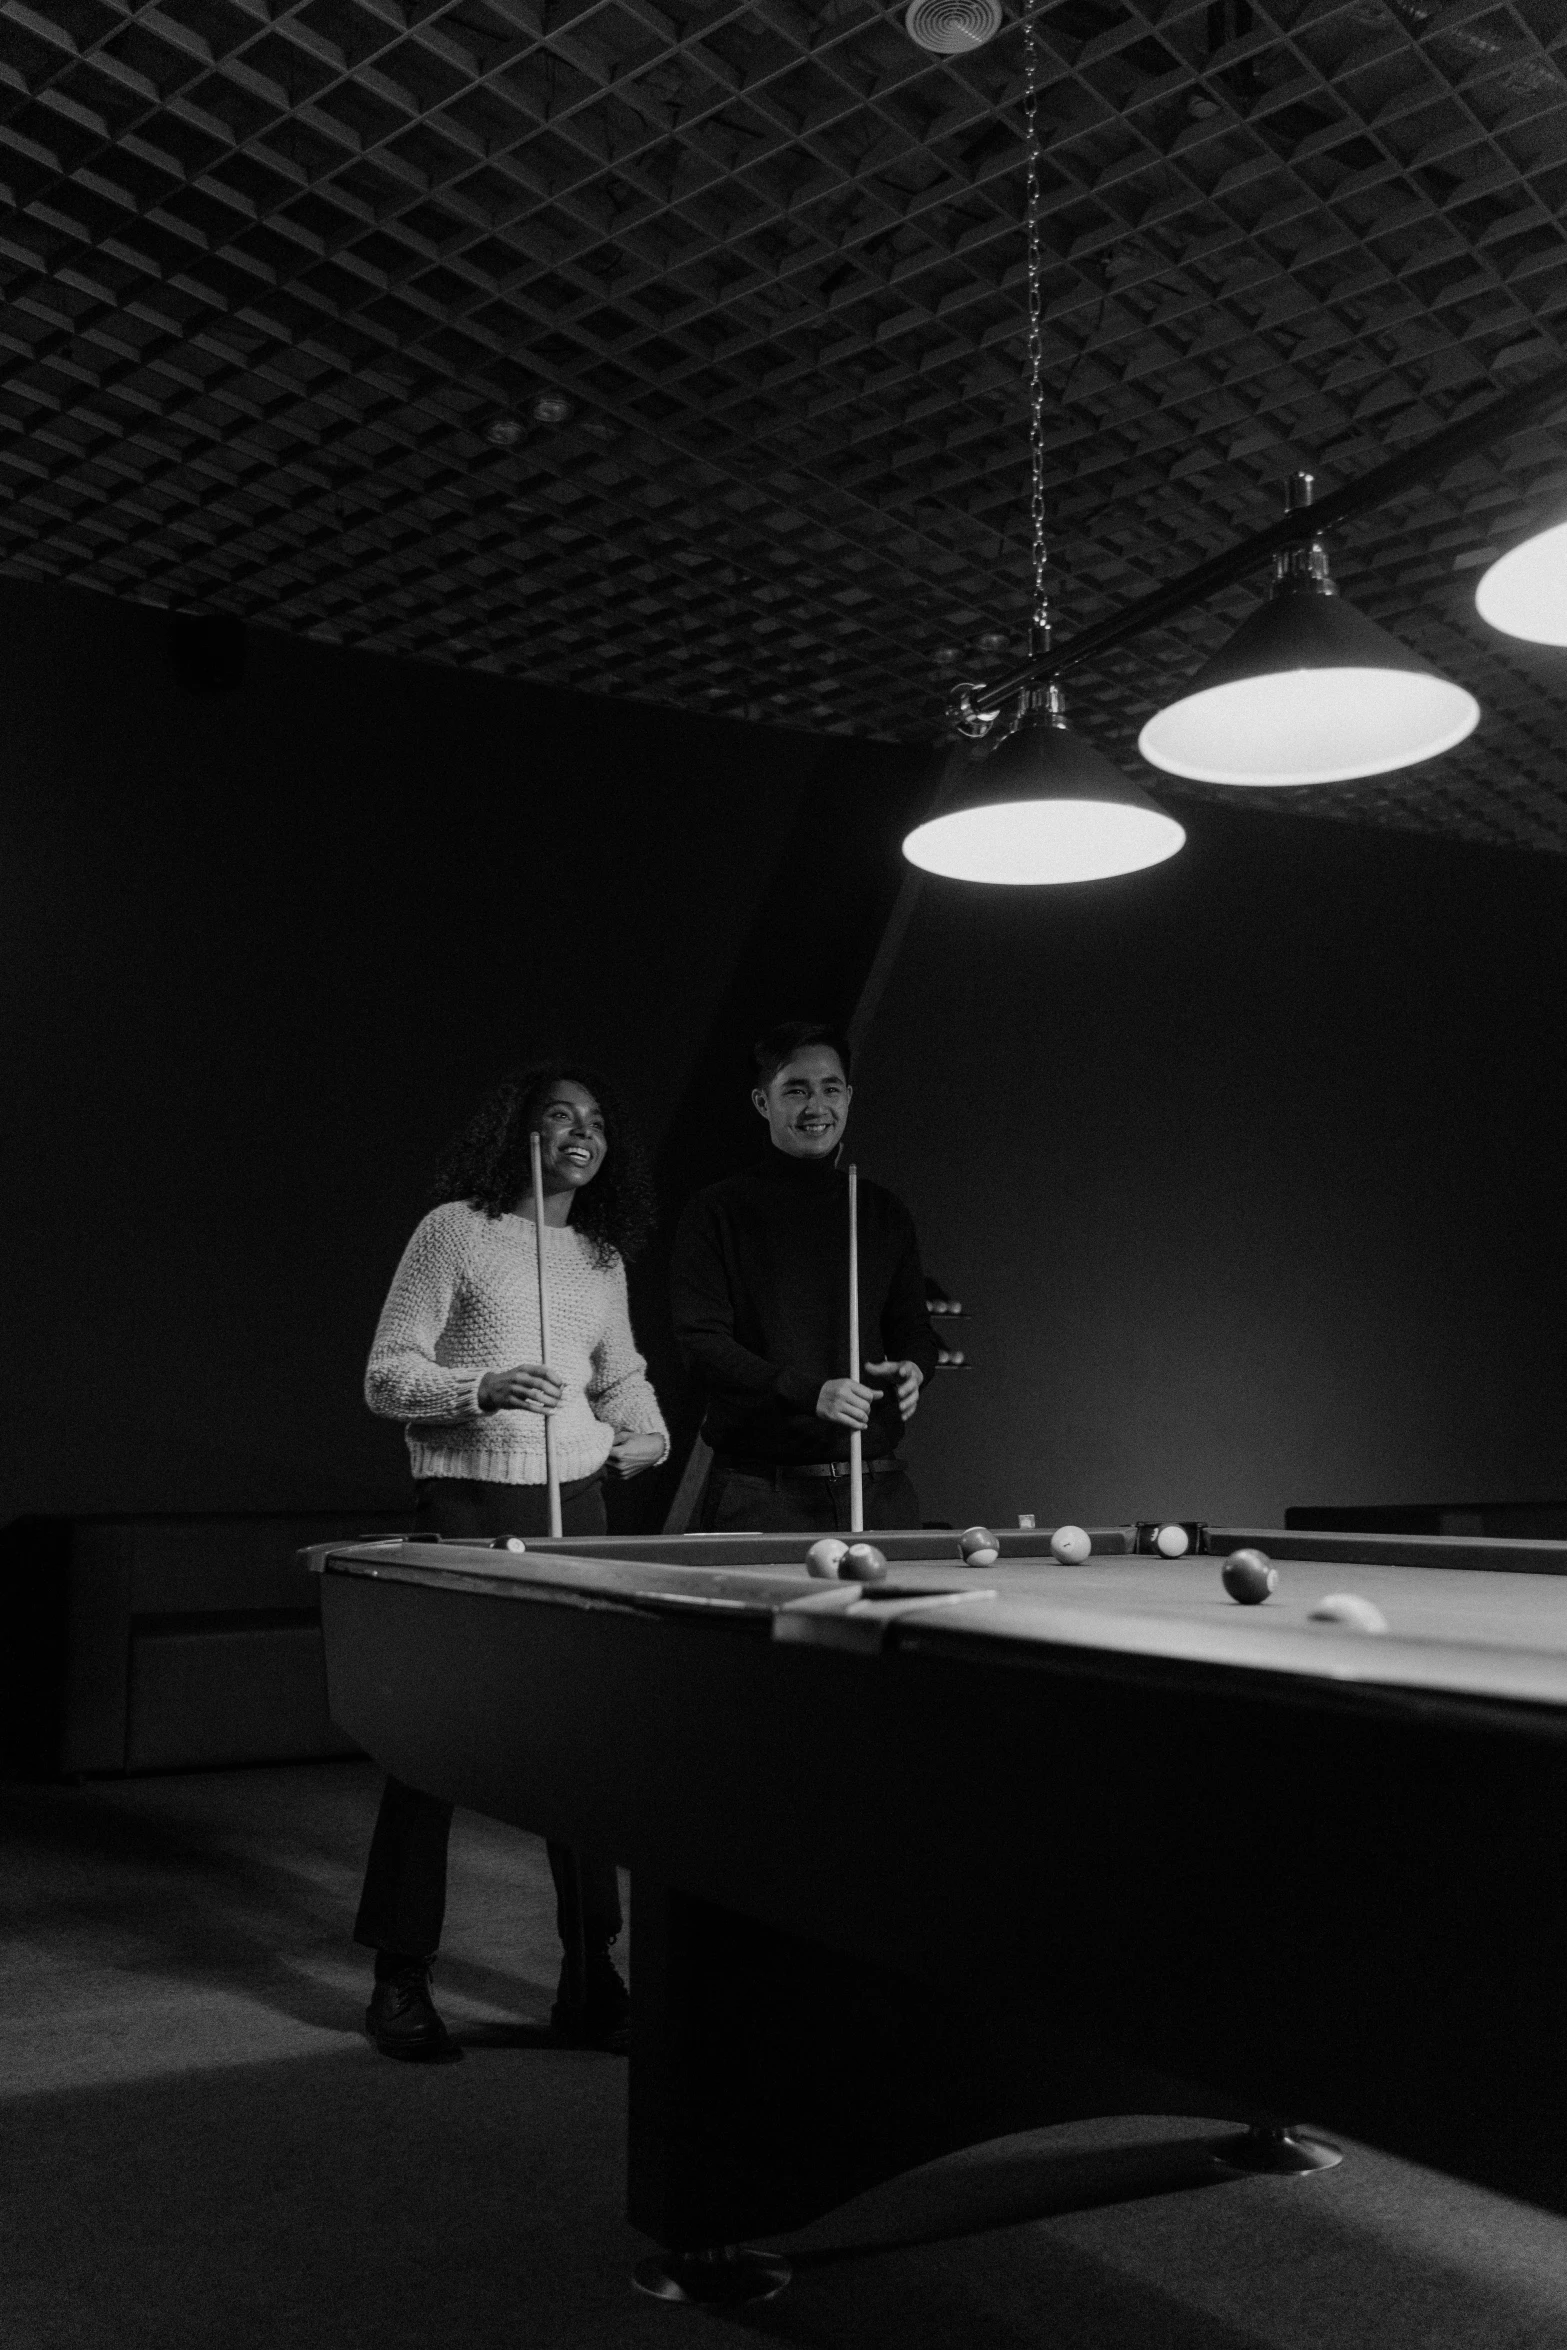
508	1542
978	1547
1250	1576
824	1558
862	1562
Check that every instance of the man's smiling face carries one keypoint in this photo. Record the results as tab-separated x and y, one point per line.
806	1103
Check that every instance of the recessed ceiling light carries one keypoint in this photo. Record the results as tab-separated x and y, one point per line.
551	408
950	28
503	432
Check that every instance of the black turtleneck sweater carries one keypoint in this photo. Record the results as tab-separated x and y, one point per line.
760	1287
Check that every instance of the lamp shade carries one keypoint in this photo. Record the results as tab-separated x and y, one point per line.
1045	807
1525	591
1308	690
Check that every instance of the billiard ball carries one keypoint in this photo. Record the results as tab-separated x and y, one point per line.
824	1558
978	1547
508	1542
1249	1576
1172	1542
1347	1607
862	1562
1071	1545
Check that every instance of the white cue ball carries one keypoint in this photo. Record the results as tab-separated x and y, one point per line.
1347	1607
824	1558
1172	1542
1070	1545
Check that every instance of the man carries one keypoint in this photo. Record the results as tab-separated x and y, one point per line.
760	1284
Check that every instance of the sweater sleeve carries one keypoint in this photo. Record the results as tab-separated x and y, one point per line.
905	1321
704	1317
619	1390
403	1380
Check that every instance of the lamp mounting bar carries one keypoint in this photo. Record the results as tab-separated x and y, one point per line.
1426	460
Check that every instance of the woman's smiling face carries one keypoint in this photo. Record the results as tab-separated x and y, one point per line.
572	1141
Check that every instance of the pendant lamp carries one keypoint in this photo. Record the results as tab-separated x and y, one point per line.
1308	690
1525	591
1045	807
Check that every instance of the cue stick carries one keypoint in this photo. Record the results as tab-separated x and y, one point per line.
856	1442
551	1473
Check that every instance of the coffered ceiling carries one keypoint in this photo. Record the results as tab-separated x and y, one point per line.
674	352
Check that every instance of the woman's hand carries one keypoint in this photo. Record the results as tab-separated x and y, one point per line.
630	1453
526	1387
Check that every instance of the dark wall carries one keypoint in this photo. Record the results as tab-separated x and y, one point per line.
1247	1165
1251	1170
259	954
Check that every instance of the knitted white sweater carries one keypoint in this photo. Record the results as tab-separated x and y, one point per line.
465	1300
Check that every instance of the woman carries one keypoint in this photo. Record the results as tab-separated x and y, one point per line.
457	1359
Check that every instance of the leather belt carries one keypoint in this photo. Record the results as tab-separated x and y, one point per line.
780	1471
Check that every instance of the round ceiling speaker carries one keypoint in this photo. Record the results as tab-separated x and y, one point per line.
952	27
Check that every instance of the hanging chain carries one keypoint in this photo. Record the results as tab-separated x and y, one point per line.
1039	616
966	713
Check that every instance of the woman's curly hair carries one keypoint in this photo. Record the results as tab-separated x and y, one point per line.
489	1164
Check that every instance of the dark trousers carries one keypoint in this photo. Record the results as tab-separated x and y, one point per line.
403	1904
745	1501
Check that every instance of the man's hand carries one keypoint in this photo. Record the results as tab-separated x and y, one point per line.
910	1380
630	1454
526	1387
846	1401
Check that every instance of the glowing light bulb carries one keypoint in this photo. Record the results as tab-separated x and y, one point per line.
1525	591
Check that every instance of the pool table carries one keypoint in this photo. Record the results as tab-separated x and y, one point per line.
982	1848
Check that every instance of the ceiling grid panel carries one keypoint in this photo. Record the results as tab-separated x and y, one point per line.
285	281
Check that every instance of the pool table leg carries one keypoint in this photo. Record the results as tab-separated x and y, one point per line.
773	2078
1274	2150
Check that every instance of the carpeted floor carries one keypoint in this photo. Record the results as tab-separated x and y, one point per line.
201	2150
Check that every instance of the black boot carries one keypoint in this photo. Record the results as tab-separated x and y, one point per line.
601	2018
401	2017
